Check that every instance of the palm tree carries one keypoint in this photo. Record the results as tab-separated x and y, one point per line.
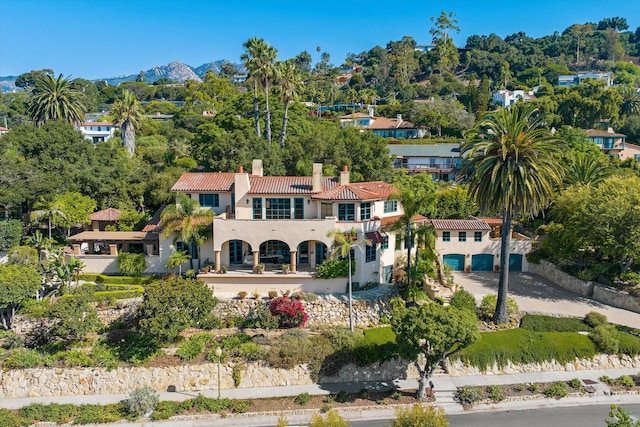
127	113
50	211
325	60
630	102
55	99
290	84
75	266
586	169
416	193
342	245
176	260
267	70
190	223
250	59
39	242
513	166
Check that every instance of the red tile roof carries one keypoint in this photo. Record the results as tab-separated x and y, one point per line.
110	214
154	223
287	184
204	181
2	129
460	224
604	133
491	221
356	116
390	220
358	191
386	123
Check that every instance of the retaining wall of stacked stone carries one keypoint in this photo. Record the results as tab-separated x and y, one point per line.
196	378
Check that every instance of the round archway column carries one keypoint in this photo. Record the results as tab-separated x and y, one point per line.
294	261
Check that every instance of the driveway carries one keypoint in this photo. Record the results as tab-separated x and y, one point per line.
535	294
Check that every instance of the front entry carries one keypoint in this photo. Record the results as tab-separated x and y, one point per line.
482	262
235	251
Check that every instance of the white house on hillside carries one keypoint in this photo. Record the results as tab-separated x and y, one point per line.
97	131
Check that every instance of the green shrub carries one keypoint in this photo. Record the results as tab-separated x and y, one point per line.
488	307
23	359
605	337
164	410
463	300
523	346
236	374
420	416
73	358
302	398
289	351
539	323
558	389
137	349
131	264
332	419
142	401
534	388
576	383
193	347
12	341
343	338
342	396
105	356
607	380
364	394
469	394
53	413
628	344
626	380
495	393
240	406
594	319
251	351
99	414
332	268
396	395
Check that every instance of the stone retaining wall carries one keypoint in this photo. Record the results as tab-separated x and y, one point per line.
366	313
602	361
596	291
195	378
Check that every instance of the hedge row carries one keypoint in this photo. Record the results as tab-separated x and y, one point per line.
521	346
116	280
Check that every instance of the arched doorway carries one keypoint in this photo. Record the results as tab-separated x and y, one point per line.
275	252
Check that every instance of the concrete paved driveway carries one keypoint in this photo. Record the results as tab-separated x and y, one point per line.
535	294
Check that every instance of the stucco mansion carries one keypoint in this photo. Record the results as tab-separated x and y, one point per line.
274	220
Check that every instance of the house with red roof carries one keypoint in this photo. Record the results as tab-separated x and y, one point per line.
474	245
382	126
608	141
276	220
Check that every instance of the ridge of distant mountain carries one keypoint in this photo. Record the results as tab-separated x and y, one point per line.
8	83
176	71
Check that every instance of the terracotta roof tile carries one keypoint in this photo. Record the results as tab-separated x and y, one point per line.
204	181
460	224
491	221
154	223
287	184
358	191
356	116
109	214
596	132
386	123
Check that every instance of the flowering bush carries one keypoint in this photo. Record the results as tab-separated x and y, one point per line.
290	313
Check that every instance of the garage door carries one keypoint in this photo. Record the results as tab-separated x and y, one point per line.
456	261
482	262
515	262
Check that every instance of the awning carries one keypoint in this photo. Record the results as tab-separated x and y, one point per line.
374	236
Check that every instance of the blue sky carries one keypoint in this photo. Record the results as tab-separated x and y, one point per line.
106	38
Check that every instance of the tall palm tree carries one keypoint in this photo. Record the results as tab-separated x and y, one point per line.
630	101
75	266
55	99
267	69
513	166
190	223
416	193
48	210
38	241
586	169
127	113
342	245
250	59
290	85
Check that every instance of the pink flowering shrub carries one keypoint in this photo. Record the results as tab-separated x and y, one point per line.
290	312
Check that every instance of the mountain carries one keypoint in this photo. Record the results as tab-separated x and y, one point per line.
175	70
215	66
8	83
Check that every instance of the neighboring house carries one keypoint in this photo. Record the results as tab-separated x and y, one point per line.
442	161
97	131
276	220
474	245
630	151
608	141
101	219
383	126
506	98
159	116
3	130
575	80
424	47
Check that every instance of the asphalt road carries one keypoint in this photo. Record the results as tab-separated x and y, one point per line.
574	416
534	294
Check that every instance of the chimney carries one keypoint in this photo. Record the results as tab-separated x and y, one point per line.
316	178
610	130
240	169
371	110
399	117
344	175
256	167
